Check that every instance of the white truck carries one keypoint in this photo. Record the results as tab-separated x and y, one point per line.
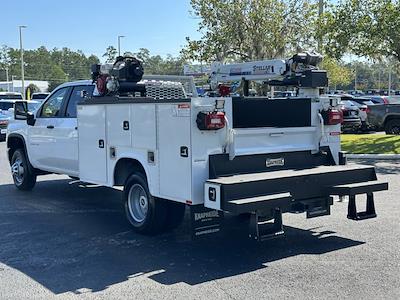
170	149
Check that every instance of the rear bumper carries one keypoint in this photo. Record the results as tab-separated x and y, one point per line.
289	190
351	124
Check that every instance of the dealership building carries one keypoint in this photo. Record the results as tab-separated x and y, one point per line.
16	85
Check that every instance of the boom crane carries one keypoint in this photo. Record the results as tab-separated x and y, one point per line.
300	71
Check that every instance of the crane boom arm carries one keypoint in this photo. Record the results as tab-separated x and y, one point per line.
256	70
301	70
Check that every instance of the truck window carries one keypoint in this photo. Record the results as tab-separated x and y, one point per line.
76	97
6	105
53	105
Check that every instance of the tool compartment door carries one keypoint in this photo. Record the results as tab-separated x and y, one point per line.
174	151
273	126
92	143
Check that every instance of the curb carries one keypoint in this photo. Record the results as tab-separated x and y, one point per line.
374	156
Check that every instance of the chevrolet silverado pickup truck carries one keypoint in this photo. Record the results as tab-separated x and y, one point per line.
169	148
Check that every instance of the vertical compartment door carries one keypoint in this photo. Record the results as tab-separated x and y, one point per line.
92	143
174	152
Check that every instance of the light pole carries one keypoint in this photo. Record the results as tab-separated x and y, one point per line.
12	81
22	60
320	13
8	83
119	44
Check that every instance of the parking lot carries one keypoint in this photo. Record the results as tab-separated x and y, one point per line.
64	240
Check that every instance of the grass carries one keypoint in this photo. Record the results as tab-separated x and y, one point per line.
371	143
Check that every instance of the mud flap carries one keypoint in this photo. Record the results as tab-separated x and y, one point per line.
205	221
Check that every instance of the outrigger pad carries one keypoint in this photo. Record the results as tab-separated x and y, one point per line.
264	230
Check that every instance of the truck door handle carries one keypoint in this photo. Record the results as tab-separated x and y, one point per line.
50	126
276	134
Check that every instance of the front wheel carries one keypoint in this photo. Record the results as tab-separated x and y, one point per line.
146	214
22	175
392	127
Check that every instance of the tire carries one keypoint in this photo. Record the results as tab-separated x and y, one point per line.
175	214
146	214
24	178
393	127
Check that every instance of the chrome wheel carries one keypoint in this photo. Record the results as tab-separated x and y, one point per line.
138	203
17	170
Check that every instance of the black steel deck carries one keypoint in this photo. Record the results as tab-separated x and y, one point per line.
300	184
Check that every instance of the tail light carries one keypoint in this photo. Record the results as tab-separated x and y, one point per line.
385	100
365	109
3	122
332	116
210	120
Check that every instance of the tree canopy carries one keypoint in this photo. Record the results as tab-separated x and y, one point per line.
55	66
369	28
251	29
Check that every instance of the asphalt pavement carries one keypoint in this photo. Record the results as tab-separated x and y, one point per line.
66	240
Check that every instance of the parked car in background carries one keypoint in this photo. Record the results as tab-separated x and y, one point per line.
394	99
284	94
4	120
10	95
7	113
378	99
356	93
351	117
386	117
39	96
5	105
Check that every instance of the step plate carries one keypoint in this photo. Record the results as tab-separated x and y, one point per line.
302	185
358	188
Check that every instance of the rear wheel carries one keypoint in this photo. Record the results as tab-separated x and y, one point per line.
392	127
146	214
24	178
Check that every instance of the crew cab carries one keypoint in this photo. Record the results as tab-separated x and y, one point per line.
169	148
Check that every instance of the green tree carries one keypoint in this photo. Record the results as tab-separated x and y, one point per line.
339	75
110	54
369	28
155	64
252	29
55	66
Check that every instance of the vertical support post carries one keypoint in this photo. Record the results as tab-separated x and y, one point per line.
8	83
246	86
352	208
370	205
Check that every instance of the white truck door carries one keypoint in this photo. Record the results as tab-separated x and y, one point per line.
43	147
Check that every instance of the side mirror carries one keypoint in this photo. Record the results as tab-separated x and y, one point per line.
30	119
21	113
20	110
